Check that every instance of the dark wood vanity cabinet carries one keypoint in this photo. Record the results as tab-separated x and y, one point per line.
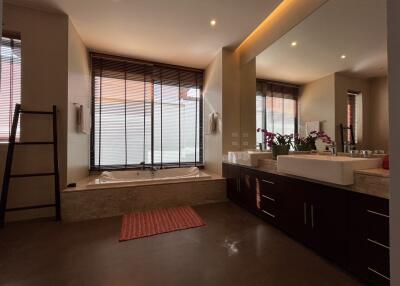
232	175
348	228
240	186
248	189
314	214
327	221
295	209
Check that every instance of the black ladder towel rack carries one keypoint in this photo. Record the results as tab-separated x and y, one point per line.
9	161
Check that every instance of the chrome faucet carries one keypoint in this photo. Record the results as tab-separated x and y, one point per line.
153	171
333	148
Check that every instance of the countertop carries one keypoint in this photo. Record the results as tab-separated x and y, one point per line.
374	182
375	172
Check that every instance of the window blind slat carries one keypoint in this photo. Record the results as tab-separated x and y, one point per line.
10	85
145	113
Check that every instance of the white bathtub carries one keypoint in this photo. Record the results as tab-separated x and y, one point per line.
115	178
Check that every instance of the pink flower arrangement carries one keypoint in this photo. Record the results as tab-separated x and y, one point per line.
298	143
321	135
276	139
308	143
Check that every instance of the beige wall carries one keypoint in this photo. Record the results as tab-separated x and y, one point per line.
394	121
248	105
78	94
317	103
230	101
229	89
378	115
239	102
44	83
213	103
325	100
55	70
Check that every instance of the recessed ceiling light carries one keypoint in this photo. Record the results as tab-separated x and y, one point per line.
343	56
213	22
294	44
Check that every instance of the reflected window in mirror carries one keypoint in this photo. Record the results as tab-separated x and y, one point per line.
276	107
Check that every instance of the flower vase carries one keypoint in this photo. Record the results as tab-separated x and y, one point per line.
280	150
320	145
303	148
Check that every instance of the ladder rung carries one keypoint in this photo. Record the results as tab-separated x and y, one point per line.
30	208
31	175
35	143
35	112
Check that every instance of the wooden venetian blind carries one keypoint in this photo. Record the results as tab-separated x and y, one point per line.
145	112
10	84
276	107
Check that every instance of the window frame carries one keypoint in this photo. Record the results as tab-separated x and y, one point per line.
199	125
354	116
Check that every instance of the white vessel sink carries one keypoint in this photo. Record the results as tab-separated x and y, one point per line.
248	158
333	169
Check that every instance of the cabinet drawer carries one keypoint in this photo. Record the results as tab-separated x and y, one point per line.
269	185
268	207
269	212
376	204
376	279
268	204
268	199
377	259
377	226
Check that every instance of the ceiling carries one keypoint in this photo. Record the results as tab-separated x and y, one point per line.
174	31
356	28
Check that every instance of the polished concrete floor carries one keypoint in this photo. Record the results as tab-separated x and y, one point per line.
234	248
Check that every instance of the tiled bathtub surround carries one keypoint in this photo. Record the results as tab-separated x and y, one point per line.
87	203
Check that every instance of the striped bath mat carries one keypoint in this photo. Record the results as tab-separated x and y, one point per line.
142	224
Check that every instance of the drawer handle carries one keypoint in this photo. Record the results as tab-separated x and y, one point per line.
380	274
377	213
377	243
305	213
271	215
268	182
312	216
268	198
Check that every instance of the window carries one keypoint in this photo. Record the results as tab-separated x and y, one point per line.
145	112
354	115
276	108
10	85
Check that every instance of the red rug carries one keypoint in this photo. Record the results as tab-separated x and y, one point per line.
142	224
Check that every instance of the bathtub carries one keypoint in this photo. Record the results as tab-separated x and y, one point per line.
138	177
